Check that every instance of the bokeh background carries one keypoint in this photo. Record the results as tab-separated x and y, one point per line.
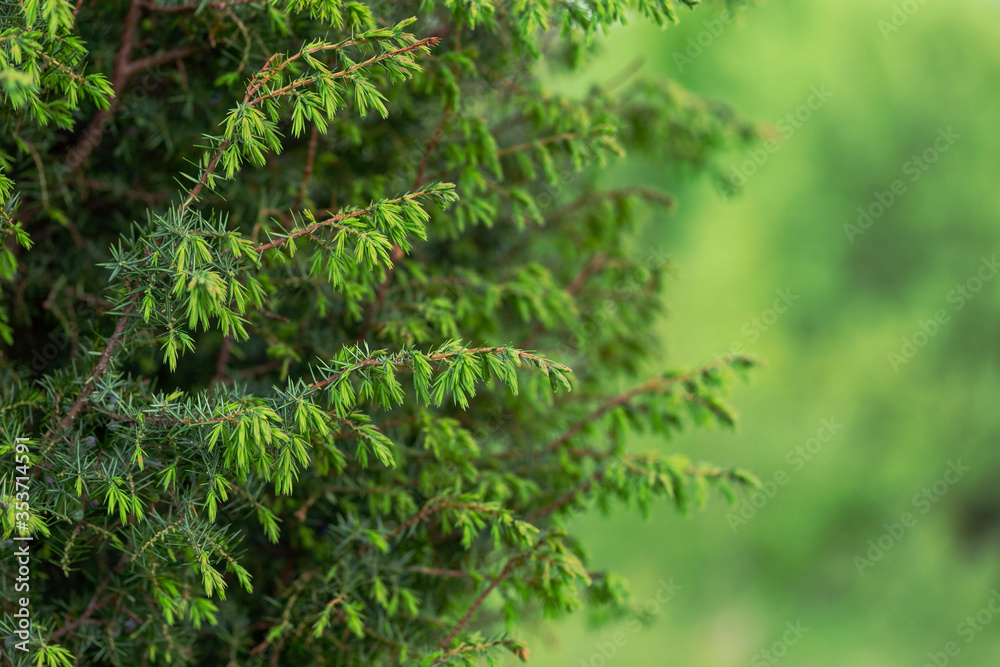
857	298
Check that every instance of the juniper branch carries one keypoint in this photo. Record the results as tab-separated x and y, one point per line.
656	384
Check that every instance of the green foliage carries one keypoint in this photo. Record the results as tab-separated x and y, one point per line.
237	347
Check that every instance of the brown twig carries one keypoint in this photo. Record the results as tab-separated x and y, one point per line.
303	510
95	130
569	496
437	572
168	9
97	302
378	361
512	564
222	361
622	77
515	645
265	73
396	254
260	369
95	603
430	510
431	147
590	268
148	198
329	222
651	385
273	316
650	195
528	145
298	83
390	423
156	59
308	171
91	382
124	69
601	472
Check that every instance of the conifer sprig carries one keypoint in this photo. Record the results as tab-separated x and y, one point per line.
249	130
256	434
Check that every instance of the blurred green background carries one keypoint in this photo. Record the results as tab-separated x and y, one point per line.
856	299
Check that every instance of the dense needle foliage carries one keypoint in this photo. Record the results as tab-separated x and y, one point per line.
320	330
